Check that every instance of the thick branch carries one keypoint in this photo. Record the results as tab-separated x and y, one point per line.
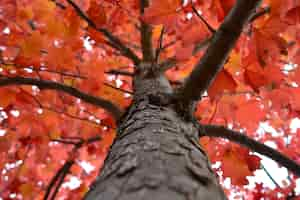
51	85
146	35
234	136
215	56
117	43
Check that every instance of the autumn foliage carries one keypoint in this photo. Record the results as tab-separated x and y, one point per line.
64	78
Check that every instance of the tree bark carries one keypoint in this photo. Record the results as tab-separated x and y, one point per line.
156	154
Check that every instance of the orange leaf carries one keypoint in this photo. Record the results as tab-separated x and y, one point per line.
184	52
32	45
97	13
293	16
223	81
4	144
7	97
26	190
243	111
112	94
161	12
238	164
255	76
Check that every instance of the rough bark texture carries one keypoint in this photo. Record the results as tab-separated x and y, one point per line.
156	154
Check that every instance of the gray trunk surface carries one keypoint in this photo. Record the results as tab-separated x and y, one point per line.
156	155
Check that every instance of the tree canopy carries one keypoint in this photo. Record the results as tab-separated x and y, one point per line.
66	70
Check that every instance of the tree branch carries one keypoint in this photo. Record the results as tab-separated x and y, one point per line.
51	85
57	180
60	175
209	27
260	13
234	136
159	46
120	89
215	56
120	72
146	35
117	43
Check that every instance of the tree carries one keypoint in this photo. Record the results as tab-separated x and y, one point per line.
153	85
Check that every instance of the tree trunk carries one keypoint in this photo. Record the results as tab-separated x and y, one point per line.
156	155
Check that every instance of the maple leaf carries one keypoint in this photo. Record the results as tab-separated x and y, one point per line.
292	16
255	76
96	13
162	12
8	96
32	45
238	164
257	114
223	82
222	7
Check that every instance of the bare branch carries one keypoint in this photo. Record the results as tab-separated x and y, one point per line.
51	85
215	56
120	72
60	5
146	35
60	175
116	42
259	13
57	180
77	140
120	89
234	136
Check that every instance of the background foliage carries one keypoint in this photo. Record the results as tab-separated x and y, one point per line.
51	133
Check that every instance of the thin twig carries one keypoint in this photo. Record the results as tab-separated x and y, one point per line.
210	28
160	44
116	88
120	72
60	175
260	13
116	42
270	176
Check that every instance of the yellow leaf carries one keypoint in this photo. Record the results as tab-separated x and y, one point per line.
234	63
